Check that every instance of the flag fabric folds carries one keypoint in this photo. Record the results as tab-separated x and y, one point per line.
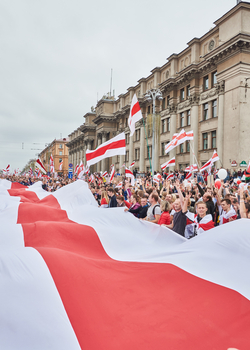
112	174
169	163
178	139
210	162
40	166
52	168
75	276
113	147
135	114
129	173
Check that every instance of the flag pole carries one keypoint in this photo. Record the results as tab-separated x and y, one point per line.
196	159
147	144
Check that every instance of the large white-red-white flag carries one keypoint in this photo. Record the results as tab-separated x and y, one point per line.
40	166
178	139
135	114
169	163
113	147
192	168
70	270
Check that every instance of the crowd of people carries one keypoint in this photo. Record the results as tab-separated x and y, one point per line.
186	207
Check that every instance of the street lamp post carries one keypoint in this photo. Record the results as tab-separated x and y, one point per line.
153	95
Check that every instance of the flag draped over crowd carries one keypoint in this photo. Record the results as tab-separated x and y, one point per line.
75	276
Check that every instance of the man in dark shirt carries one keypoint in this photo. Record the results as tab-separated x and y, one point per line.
179	220
144	208
111	194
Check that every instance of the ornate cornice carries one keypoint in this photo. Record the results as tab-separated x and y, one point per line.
172	109
194	99
207	94
220	87
184	104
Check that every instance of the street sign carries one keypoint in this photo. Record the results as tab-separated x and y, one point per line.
70	175
243	164
70	165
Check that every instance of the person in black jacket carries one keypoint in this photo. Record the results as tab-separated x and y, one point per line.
112	196
144	208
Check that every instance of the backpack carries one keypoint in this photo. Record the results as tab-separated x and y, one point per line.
153	211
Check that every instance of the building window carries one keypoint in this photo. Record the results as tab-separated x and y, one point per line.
214	78
182	94
149	153
214	139
188	117
188	90
182	148
163	103
163	125
148	109
137	134
168	100
126	156
205	83
60	146
205	111
127	139
118	159
182	119
168	124
204	140
188	146
137	153
163	148
60	153
148	169
214	108
60	160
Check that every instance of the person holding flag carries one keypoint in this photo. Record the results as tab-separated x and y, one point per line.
135	114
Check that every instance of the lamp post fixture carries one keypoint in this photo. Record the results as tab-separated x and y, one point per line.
153	95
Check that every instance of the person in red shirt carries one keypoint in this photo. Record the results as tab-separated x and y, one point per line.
165	217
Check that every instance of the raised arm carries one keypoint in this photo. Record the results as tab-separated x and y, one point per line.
243	213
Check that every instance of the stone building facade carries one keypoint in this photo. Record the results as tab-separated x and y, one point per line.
59	151
205	88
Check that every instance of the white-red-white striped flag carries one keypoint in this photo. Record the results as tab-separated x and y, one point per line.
169	163
215	157
105	174
52	169
170	176
178	139
61	165
129	173
135	114
112	174
119	185
7	170
40	166
131	165
76	169
113	147
189	175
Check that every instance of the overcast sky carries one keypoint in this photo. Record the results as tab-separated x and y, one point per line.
56	58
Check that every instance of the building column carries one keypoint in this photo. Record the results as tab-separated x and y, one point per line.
122	161
173	128
220	129
142	150
195	127
131	150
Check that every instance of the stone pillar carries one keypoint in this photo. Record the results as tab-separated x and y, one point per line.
220	130
99	141
122	161
194	100
142	150
173	128
131	150
156	145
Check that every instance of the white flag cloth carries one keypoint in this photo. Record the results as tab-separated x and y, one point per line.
52	169
135	114
70	270
112	174
40	166
178	139
210	162
129	173
113	147
169	163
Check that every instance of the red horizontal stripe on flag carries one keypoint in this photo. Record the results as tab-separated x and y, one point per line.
131	305
102	150
135	109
